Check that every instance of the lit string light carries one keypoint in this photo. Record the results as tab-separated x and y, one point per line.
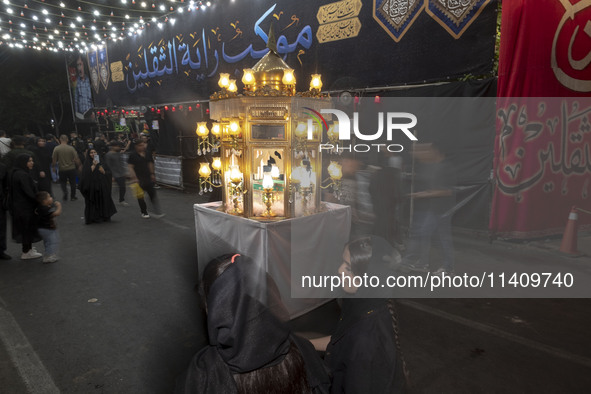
73	20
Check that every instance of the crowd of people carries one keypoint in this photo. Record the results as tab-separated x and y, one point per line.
30	165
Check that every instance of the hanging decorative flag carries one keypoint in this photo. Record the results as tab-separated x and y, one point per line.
455	16
396	17
94	74
103	61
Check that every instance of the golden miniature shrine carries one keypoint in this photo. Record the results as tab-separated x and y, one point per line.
269	147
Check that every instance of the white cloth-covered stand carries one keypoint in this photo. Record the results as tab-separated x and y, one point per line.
287	249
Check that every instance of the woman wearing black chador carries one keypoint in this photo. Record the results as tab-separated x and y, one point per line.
250	349
22	206
95	186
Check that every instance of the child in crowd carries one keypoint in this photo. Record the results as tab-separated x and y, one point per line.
47	210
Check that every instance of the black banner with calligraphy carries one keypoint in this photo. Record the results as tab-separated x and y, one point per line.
354	44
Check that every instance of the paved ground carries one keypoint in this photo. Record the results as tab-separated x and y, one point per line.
143	327
118	314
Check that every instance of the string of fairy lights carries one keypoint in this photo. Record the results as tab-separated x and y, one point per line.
81	25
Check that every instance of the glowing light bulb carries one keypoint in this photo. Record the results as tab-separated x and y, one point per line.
202	130
288	77
248	76
335	170
316	82
274	171
204	170
234	128
224	81
235	175
301	130
333	131
232	86
267	181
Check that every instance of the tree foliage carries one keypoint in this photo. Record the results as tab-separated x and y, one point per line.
32	94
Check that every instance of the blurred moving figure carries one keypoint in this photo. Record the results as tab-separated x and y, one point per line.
141	172
114	162
433	204
385	189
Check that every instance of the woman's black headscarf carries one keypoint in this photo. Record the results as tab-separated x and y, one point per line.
86	167
244	330
382	263
21	162
90	180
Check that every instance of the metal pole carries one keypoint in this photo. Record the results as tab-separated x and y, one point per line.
71	97
412	183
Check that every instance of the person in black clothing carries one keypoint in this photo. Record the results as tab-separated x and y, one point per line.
150	146
3	208
52	142
79	145
251	350
141	172
23	202
385	189
115	164
31	143
101	145
18	148
43	165
363	354
95	186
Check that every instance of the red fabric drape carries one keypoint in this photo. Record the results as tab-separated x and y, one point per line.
543	147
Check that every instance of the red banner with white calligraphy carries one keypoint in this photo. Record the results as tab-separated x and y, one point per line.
543	146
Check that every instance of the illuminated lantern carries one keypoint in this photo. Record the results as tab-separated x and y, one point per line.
316	82
224	80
